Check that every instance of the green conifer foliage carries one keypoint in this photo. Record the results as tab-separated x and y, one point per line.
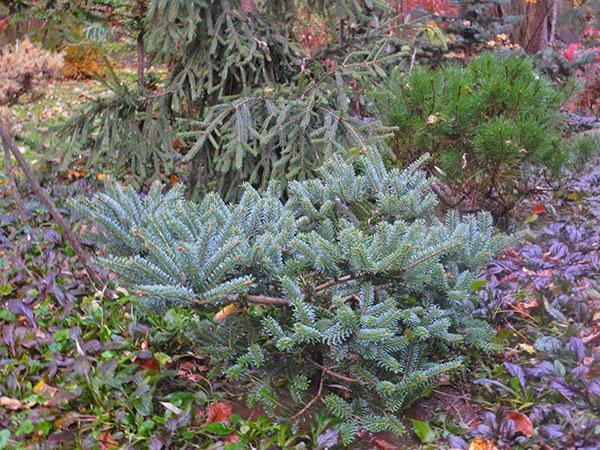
485	125
352	286
243	101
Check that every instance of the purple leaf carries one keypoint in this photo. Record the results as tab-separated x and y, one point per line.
576	345
594	387
516	371
558	249
548	344
542	369
552	431
561	386
456	442
328	439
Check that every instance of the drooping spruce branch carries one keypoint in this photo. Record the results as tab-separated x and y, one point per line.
244	101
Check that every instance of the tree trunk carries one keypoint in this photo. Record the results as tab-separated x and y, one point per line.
532	32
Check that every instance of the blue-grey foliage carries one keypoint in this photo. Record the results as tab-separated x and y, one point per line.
353	278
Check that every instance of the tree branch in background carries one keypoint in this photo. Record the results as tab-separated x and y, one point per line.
84	258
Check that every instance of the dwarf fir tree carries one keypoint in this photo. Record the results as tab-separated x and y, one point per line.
352	287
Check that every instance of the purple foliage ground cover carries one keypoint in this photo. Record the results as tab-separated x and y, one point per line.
546	288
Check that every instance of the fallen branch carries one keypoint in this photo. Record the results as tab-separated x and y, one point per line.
14	188
84	258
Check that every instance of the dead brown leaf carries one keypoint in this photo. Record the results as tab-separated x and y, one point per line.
14	404
522	423
220	412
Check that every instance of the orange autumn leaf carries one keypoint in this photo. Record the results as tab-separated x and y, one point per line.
539	209
106	441
76	174
522	423
225	312
220	412
481	444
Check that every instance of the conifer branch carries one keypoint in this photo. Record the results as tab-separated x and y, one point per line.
212	254
313	400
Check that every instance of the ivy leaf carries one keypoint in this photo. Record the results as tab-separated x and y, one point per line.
218	428
423	431
4	437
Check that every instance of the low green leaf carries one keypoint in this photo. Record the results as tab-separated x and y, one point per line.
478	285
423	431
25	428
218	428
4	437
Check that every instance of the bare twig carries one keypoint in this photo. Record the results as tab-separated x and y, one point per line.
266	300
84	258
334	282
314	399
330	372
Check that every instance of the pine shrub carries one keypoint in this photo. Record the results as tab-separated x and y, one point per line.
352	287
485	126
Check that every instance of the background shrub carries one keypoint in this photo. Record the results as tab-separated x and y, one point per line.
84	61
23	67
483	125
352	281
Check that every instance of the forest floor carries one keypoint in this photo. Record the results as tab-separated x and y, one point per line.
80	367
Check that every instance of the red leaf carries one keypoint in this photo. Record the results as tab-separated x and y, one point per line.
385	445
220	412
539	209
106	441
146	360
522	423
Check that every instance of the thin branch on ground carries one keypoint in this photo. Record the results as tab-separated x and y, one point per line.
83	256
